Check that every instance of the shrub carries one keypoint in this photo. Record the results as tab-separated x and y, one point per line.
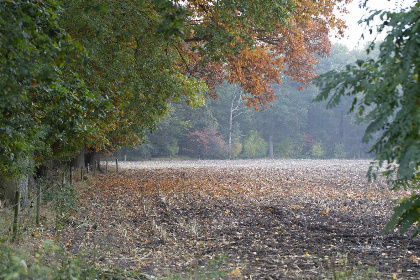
339	151
317	150
255	146
207	144
50	262
173	148
288	148
235	149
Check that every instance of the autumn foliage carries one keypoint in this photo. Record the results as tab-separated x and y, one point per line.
253	43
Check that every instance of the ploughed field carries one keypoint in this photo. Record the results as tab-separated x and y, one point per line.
265	219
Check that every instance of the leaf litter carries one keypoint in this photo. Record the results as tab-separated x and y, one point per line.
272	219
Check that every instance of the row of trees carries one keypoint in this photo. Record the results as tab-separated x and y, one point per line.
94	75
90	76
293	127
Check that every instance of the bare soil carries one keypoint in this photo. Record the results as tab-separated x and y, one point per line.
270	219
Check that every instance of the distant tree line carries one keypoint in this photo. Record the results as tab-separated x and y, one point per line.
293	127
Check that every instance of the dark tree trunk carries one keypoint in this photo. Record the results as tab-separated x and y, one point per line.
79	160
93	158
8	188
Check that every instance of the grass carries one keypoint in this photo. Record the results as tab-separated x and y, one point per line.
339	268
212	271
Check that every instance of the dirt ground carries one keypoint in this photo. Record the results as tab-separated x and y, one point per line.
272	219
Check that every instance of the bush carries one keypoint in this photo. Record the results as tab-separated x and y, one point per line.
255	146
339	151
288	148
50	262
235	149
317	150
206	144
173	148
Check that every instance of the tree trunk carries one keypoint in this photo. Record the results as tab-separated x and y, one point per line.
230	134
8	188
93	158
270	145
79	160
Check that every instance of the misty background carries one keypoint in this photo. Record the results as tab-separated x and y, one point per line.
293	127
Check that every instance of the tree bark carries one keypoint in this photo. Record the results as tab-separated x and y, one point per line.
270	145
93	158
230	133
79	160
8	188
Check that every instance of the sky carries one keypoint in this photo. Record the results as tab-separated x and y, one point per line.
352	38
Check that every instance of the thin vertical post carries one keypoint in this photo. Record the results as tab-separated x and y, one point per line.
64	178
94	168
116	164
38	204
71	175
125	158
81	173
16	217
87	169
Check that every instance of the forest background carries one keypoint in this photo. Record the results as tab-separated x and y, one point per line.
292	127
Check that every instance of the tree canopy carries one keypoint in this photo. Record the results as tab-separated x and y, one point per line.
97	74
252	43
43	106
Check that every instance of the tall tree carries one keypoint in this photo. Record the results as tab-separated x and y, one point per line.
42	102
130	65
252	42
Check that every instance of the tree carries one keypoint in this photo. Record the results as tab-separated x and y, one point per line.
130	65
43	103
98	74
227	109
145	54
255	146
386	93
251	43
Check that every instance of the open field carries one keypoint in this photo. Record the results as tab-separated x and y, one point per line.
266	219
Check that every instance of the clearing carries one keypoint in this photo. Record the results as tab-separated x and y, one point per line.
263	219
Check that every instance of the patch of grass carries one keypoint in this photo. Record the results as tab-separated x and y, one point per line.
341	269
49	262
212	271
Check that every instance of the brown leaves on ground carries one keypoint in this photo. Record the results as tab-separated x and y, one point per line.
278	219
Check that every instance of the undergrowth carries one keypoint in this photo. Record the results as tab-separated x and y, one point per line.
212	271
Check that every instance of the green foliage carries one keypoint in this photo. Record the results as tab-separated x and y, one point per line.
49	262
255	146
339	151
288	148
340	268
62	196
406	213
42	103
173	148
317	150
212	271
131	64
385	92
236	149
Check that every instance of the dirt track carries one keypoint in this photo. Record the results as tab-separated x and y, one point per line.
268	219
